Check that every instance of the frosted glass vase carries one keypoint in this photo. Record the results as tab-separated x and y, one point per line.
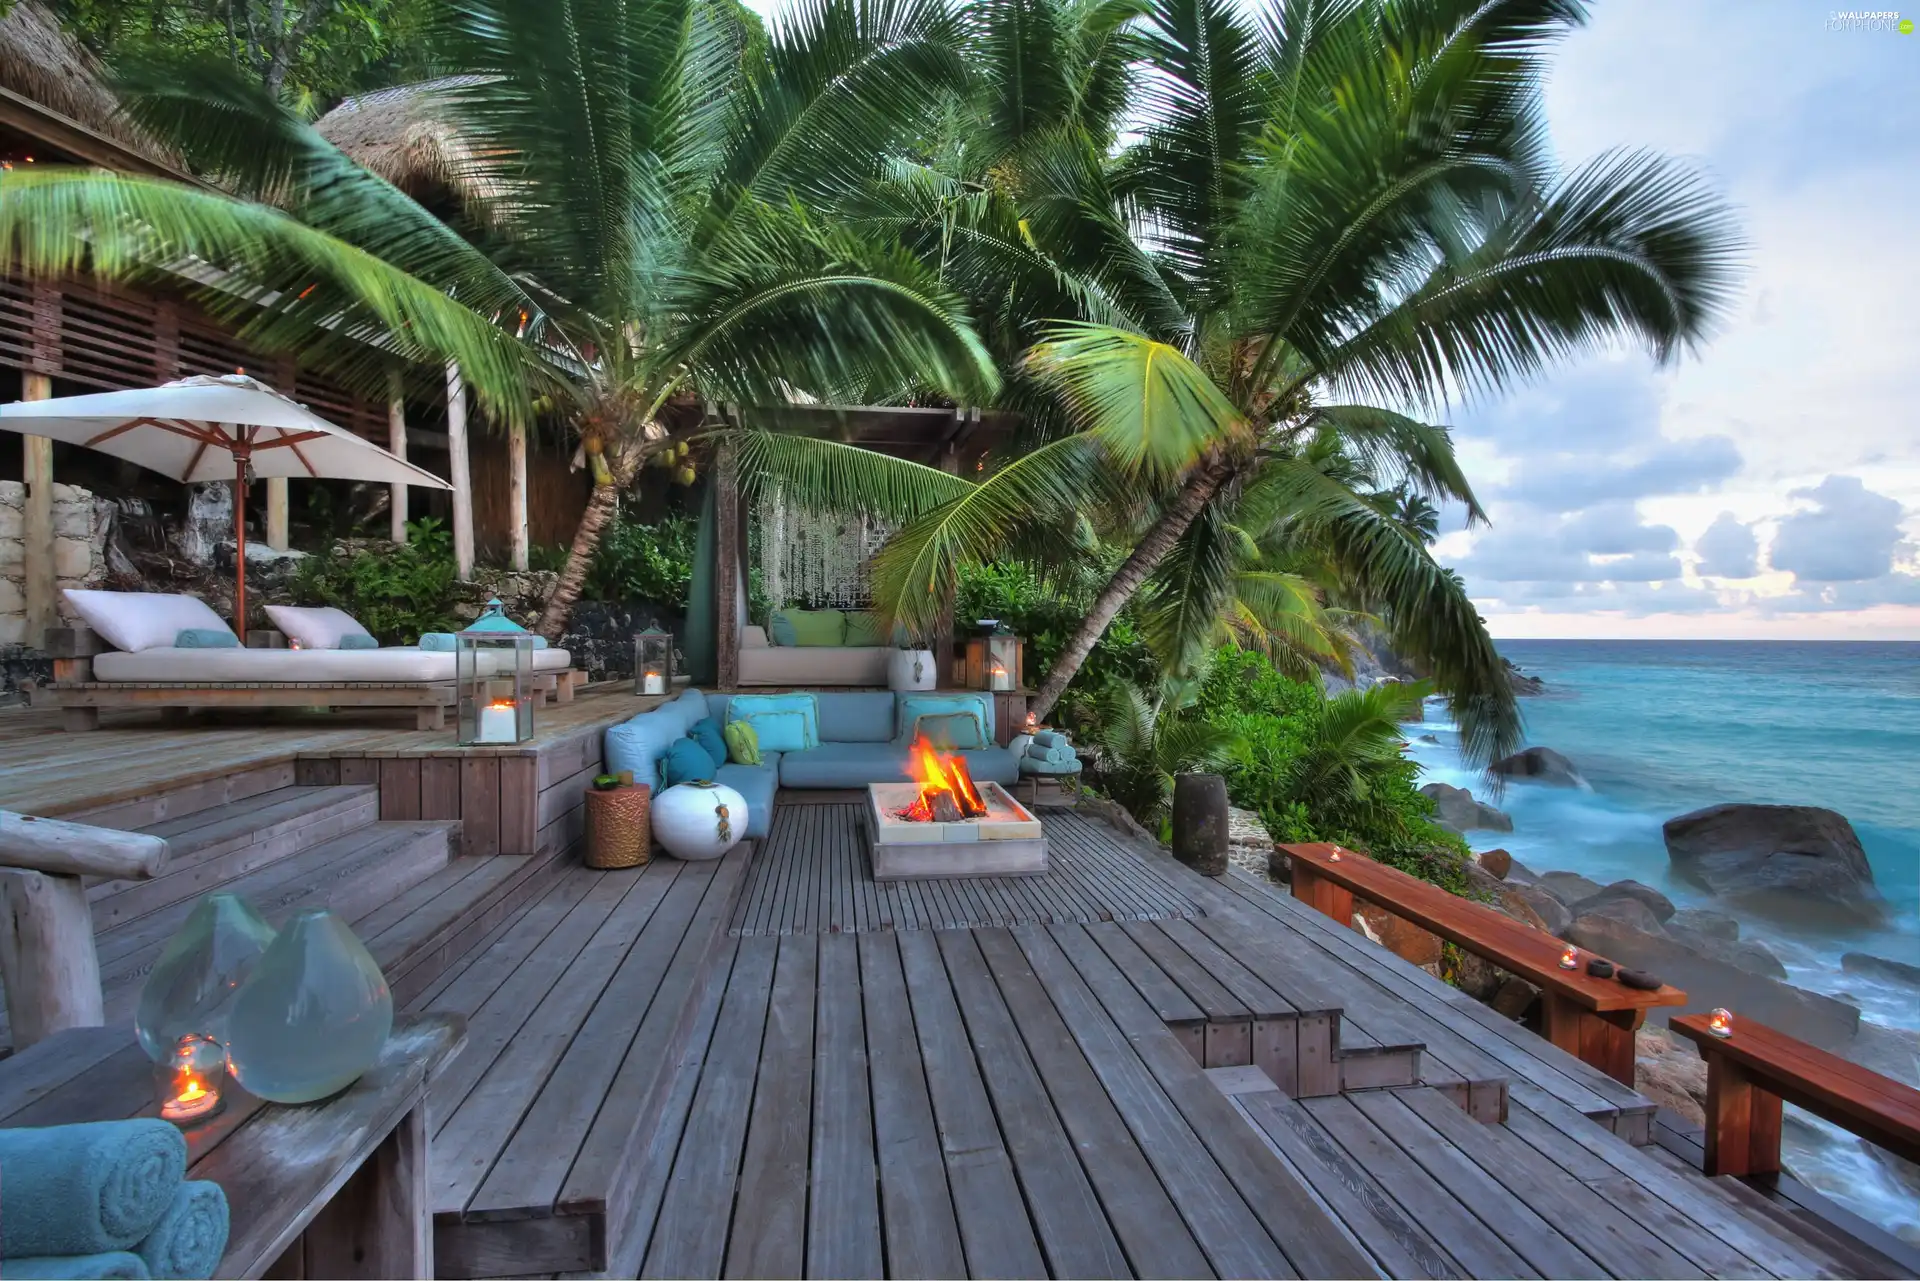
313	1017
194	983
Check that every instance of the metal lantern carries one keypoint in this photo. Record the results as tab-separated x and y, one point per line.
494	670
653	661
994	657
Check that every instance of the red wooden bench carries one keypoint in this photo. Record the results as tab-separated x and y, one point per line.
1755	1069
1591	1018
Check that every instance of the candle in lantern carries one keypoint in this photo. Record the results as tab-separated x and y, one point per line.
1334	857
191	1080
1033	722
1570	959
293	642
655	683
1000	679
499	722
1720	1022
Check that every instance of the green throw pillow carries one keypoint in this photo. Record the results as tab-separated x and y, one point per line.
743	745
808	627
863	630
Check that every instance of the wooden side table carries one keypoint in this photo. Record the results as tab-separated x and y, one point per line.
333	1189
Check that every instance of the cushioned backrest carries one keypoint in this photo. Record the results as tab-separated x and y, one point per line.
855	717
717	707
691	706
910	707
639	744
748	706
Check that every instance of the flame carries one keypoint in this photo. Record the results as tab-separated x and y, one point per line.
938	772
503	705
192	1091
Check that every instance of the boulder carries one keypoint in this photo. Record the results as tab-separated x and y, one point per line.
1793	861
1455	809
1540	765
1709	981
1407	941
1523	684
1481	880
1628	911
1669	1072
1547	912
1499	862
1513	998
1569	887
1880	967
1520	872
1706	921
1749	954
1659	904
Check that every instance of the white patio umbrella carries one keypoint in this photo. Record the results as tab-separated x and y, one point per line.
230	428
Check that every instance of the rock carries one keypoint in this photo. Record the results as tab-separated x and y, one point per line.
1628	911
1481	880
1407	941
1569	887
1478	977
1455	809
1541	765
1523	874
1499	862
1523	684
1657	903
1749	955
1513	998
1670	1073
1430	738
1880	967
1787	860
1548	912
1709	981
1706	921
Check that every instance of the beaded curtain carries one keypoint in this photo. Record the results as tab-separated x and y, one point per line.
815	558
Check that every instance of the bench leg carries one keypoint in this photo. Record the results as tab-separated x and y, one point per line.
380	1224
1322	895
78	720
1743	1121
434	717
1601	1040
563	691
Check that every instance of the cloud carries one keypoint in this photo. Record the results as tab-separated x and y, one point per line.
1728	549
1569	481
1849	535
1605	544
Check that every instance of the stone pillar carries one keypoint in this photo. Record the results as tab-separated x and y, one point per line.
37	526
460	473
278	515
517	495
1200	822
397	444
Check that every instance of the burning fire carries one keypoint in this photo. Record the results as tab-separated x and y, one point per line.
947	793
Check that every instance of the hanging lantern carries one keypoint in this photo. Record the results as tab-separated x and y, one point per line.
493	670
653	661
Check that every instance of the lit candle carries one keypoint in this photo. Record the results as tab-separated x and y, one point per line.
1720	1022
1000	678
293	642
655	683
191	1079
499	723
1033	722
1570	959
1335	856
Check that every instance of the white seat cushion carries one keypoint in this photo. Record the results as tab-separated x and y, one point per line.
134	621
223	666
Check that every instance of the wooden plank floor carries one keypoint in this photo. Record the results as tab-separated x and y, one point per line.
814	875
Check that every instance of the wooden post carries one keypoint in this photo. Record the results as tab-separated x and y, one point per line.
517	495
461	473
397	445
380	1224
726	577
47	959
60	848
277	513
37	529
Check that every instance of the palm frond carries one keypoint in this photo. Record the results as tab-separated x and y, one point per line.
828	475
1393	447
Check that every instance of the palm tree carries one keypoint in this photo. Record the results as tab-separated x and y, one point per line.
1326	208
641	238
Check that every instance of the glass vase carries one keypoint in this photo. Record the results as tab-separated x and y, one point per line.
313	1017
193	985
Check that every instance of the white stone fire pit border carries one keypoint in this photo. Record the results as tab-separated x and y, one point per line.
1008	842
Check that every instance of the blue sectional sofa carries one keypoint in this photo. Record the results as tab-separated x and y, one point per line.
861	742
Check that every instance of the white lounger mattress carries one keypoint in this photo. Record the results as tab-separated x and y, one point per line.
220	666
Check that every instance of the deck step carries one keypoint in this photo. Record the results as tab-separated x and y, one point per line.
214	846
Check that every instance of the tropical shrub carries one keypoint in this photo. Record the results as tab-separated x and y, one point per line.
1045	615
645	561
396	590
1144	744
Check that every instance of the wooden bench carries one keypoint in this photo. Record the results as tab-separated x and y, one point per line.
1755	1069
1591	1018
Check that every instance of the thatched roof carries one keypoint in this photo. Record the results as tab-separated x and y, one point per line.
41	62
404	134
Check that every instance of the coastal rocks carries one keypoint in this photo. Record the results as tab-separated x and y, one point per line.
1540	765
1534	906
1655	902
1407	941
1515	997
1706	921
1499	862
1670	1073
1523	685
1750	955
1455	809
1569	887
1628	911
1785	860
1880	967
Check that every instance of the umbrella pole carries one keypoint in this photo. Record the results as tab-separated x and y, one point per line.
240	546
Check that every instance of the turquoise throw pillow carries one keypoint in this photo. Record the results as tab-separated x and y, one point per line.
205	638
778	731
911	707
706	732
743	707
359	640
952	731
687	762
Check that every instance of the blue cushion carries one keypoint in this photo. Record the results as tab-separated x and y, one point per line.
686	762
951	731
756	785
747	706
838	765
706	732
777	731
855	717
638	744
911	707
690	707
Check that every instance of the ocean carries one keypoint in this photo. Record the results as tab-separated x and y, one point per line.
1659	728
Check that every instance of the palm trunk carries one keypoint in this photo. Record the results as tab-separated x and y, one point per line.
1199	488
586	535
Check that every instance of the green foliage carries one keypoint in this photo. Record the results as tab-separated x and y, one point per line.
1046	615
638	561
1143	745
397	591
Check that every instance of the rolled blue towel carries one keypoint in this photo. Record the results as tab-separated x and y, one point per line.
205	638
442	641
539	642
1051	755
86	1189
191	1236
1049	737
110	1265
359	640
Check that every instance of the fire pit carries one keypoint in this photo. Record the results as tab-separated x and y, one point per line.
945	824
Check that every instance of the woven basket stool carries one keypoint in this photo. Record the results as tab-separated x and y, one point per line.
619	827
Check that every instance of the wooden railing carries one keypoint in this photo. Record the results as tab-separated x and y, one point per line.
1591	1018
47	958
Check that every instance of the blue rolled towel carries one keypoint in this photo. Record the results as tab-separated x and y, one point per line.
442	641
1049	738
86	1189
191	1236
110	1265
205	638
1051	755
359	640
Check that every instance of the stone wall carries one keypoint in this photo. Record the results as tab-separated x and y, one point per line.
81	526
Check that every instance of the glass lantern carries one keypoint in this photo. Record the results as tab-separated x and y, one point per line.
493	669
653	662
191	1079
993	657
